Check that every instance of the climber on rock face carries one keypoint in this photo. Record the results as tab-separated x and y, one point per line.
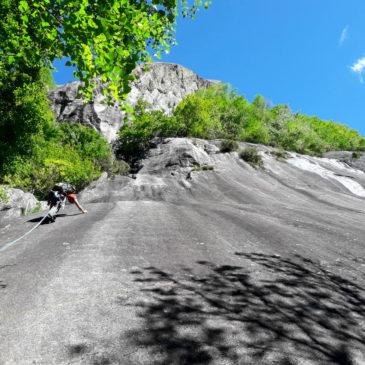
57	198
72	198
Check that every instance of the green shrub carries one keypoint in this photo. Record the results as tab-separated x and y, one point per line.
335	136
251	156
74	153
228	145
203	168
215	112
36	152
119	167
255	132
50	164
218	112
4	197
298	136
356	155
199	116
255	129
135	137
88	143
25	116
361	146
280	154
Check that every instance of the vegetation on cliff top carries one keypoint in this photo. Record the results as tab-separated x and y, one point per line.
217	112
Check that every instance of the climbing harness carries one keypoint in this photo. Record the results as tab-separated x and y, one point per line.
53	211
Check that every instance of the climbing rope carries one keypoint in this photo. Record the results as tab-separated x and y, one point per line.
52	211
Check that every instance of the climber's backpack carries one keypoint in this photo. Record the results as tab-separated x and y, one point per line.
64	188
54	197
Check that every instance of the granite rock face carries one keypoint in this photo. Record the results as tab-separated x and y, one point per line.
163	86
184	264
175	154
355	160
184	169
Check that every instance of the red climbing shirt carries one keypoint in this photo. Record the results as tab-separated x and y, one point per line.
71	198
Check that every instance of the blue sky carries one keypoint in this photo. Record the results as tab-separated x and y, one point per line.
304	53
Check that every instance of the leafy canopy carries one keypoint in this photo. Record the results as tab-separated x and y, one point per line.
104	38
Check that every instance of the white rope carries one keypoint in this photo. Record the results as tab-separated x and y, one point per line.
52	210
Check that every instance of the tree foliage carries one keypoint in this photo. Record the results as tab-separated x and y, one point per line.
135	138
72	153
35	152
218	112
101	38
25	114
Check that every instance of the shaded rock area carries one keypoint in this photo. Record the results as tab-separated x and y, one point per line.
299	314
163	86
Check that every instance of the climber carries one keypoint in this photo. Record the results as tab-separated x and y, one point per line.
72	198
57	199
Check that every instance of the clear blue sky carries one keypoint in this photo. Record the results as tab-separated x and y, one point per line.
295	52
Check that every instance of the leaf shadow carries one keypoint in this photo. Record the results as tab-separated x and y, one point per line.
297	312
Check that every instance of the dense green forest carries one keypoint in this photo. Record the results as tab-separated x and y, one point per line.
99	39
35	151
219	113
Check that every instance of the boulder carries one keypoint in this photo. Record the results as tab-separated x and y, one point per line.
163	86
176	153
17	203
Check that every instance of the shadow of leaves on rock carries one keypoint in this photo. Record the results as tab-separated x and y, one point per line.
295	311
75	350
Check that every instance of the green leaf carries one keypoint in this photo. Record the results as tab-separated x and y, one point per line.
23	6
98	36
11	59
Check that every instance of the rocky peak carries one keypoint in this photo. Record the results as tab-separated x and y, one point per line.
163	86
